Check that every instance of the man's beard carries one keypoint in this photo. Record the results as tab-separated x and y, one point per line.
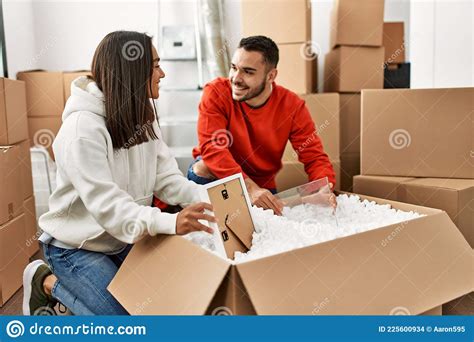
254	93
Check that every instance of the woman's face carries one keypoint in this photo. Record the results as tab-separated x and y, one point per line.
156	76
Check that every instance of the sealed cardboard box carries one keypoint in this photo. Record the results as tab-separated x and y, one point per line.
396	76
349	119
31	227
43	131
70	76
454	196
349	69
350	167
292	174
324	110
25	169
44	92
13	258
357	274
11	194
380	186
262	17
13	125
296	69
357	23
394	42
417	132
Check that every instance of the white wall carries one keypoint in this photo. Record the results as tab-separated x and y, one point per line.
442	45
19	36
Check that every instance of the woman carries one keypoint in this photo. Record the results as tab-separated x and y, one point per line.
110	159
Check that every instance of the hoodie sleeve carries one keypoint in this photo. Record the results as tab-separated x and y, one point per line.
85	162
170	185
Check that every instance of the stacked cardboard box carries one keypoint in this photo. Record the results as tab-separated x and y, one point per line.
417	148
324	110
46	94
355	62
397	71
297	66
16	195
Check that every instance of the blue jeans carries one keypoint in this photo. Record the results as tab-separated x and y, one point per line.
202	180
83	277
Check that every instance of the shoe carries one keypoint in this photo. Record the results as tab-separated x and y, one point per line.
36	302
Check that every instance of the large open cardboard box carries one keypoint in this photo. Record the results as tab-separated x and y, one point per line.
414	265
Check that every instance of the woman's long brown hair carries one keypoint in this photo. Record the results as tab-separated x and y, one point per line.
122	67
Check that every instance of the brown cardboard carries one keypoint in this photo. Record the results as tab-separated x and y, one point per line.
357	23
11	194
417	132
43	131
380	186
349	118
261	17
324	110
296	70
349	69
70	76
460	306
350	167
292	174
13	125
44	92
454	196
31	227
394	42
13	258
25	169
232	213
370	273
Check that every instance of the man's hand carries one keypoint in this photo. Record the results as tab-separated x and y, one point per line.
323	198
263	198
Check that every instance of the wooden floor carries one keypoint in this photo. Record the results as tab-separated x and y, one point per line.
460	306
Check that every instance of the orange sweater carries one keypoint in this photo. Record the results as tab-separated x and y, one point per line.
234	137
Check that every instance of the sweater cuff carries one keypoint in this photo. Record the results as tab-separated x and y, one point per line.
164	223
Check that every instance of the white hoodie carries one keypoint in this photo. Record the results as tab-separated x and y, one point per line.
103	197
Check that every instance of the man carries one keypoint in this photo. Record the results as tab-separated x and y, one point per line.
245	122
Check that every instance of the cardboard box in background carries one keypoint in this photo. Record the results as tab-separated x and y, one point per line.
324	110
357	23
11	194
43	131
417	132
387	187
442	271
396	76
394	42
31	228
44	92
454	196
292	174
25	169
349	69
261	17
13	258
350	167
68	77
13	125
349	118
296	70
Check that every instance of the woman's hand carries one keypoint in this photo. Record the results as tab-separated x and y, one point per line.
187	220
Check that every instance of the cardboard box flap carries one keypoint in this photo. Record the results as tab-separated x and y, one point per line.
415	265
168	275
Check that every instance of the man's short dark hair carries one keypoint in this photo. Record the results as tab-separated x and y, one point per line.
264	45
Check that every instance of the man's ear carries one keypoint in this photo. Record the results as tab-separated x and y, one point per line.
272	74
